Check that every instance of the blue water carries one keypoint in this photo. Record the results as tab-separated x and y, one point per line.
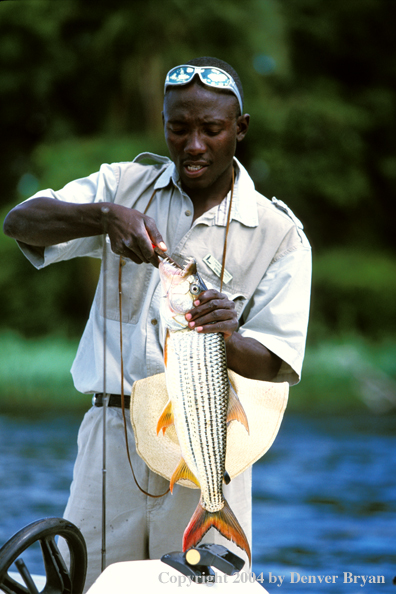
323	497
325	504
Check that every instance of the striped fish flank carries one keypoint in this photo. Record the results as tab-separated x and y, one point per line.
198	382
199	406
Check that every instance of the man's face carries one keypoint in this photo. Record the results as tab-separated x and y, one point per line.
201	131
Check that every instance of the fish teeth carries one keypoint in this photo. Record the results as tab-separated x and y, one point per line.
173	265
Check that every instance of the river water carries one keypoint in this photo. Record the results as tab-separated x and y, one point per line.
324	498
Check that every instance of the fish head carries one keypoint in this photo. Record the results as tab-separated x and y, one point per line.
180	286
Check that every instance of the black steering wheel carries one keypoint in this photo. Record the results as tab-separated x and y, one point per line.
59	579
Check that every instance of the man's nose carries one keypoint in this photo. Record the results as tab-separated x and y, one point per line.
195	144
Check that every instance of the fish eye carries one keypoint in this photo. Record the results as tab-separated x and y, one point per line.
195	289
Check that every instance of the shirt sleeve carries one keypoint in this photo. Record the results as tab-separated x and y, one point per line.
98	187
277	314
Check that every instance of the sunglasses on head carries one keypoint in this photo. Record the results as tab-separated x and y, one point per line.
210	76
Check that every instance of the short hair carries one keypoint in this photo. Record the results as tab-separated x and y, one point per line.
217	63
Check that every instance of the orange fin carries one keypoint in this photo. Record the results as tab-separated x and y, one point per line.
223	520
166	419
235	409
182	472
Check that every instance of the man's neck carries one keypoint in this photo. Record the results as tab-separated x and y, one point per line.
206	198
202	206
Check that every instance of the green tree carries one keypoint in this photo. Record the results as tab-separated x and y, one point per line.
81	82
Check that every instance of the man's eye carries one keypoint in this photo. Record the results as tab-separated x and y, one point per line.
178	131
212	131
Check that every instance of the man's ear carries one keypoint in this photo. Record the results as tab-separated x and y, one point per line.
242	126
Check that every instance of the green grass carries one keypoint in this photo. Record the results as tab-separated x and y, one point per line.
35	375
338	377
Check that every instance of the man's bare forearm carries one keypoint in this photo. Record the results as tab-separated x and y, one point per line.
44	221
251	359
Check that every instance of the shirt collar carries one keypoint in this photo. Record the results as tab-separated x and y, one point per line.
244	207
165	177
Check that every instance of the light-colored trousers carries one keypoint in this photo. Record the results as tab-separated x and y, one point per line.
137	526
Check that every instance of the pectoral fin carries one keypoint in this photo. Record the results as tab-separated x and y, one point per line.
182	472
166	419
235	409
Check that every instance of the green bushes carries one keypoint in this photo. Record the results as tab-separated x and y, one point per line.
353	293
347	375
338	377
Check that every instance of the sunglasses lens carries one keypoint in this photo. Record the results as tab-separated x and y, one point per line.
180	76
215	78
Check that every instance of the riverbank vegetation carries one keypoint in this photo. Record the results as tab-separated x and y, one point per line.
339	377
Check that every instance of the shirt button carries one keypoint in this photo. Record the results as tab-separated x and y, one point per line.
154	322
188	213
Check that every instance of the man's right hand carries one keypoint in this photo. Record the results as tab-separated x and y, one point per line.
133	234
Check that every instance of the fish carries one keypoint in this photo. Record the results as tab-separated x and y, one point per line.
201	405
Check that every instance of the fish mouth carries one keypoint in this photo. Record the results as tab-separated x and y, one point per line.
176	283
171	269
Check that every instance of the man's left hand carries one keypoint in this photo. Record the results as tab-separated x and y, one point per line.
213	312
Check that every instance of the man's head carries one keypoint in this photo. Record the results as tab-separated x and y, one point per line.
203	123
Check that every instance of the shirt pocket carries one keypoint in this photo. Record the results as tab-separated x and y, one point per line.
134	283
235	292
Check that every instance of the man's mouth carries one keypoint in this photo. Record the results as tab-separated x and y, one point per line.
193	169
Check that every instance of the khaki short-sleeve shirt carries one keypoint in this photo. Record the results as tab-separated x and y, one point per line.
268	269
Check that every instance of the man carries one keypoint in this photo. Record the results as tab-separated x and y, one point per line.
262	309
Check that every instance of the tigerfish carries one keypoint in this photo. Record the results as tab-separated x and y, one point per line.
200	405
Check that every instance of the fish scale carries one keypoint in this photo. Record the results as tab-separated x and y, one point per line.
201	395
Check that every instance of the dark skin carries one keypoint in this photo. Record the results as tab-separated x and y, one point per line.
202	128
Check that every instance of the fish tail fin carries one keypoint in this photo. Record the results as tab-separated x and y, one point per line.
223	520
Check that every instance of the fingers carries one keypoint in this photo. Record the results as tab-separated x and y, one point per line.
155	235
213	312
132	235
141	243
132	250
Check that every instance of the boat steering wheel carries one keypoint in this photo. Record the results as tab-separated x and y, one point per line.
59	579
